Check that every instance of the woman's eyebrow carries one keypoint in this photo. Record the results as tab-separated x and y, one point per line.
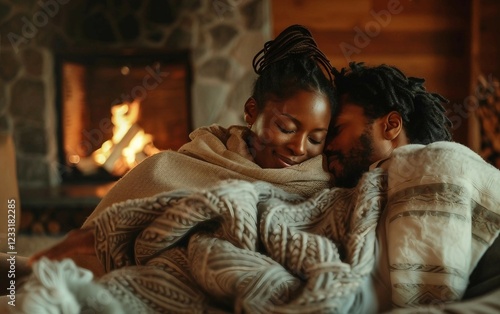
296	121
289	116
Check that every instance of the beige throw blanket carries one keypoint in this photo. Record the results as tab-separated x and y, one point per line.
238	247
253	248
442	214
241	247
213	154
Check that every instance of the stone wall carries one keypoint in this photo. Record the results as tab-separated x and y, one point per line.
222	35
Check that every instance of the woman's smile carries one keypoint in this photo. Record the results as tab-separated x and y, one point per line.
286	162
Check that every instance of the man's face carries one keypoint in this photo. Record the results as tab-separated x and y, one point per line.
353	144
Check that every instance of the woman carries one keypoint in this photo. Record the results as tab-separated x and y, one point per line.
287	120
288	116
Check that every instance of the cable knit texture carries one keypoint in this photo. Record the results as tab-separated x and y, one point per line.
249	247
64	288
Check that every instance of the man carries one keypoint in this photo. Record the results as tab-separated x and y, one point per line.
381	109
442	212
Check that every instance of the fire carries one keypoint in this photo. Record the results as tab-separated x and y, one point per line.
128	144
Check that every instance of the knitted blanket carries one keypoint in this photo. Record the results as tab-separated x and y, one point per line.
442	214
241	247
238	247
430	213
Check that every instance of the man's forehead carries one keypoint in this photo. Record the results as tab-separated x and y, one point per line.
349	111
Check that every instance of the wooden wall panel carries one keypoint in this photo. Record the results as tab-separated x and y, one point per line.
443	8
317	14
424	38
489	39
358	44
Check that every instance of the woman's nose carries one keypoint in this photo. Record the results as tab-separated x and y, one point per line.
298	145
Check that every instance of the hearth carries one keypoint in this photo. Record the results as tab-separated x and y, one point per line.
116	108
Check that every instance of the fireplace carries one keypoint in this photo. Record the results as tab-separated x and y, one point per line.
116	108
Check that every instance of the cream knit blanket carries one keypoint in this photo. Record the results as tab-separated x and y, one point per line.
238	247
251	247
241	247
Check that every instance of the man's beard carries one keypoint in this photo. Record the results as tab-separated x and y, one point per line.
356	162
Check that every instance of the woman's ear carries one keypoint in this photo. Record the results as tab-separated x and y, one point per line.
251	111
393	125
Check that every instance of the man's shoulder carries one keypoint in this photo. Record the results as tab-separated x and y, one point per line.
440	159
443	149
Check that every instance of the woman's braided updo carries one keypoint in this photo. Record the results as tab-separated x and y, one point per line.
290	63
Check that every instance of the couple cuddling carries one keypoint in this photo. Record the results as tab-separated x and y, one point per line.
343	194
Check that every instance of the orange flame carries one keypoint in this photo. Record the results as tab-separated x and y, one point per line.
128	140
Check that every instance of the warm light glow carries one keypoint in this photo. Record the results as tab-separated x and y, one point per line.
123	117
127	143
103	153
125	70
99	157
74	159
106	146
136	146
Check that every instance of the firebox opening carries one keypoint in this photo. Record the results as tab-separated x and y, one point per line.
117	108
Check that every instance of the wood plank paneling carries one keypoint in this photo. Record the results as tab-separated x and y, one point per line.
424	38
489	61
359	43
317	14
443	8
440	73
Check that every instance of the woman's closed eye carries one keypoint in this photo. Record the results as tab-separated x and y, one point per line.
313	138
284	129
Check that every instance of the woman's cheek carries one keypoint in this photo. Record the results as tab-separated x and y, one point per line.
267	136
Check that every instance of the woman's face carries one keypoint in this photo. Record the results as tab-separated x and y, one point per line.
288	132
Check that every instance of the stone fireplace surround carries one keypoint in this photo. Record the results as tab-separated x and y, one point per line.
222	35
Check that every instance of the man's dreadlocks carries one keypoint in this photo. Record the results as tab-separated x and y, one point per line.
384	88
